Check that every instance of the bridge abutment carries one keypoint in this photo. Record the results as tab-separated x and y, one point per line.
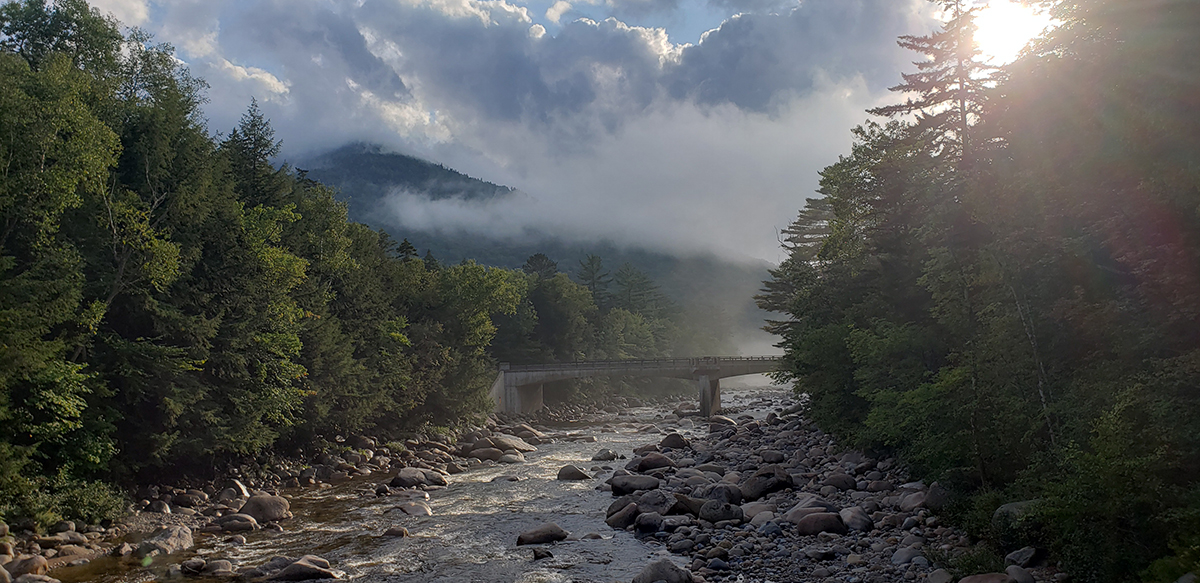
710	395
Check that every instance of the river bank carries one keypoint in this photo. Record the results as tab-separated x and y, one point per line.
463	509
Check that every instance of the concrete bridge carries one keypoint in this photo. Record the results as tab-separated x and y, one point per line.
518	388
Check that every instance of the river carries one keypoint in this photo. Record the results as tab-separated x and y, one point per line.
472	533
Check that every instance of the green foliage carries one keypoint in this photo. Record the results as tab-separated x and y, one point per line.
1004	290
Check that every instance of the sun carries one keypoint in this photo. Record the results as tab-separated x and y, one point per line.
1005	27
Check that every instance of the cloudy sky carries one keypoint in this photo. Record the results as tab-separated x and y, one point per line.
688	125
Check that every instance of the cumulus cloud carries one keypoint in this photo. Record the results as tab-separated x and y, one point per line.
613	130
129	12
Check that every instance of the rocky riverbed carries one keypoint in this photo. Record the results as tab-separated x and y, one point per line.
637	493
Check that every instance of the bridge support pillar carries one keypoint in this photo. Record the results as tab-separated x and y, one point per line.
529	398
710	395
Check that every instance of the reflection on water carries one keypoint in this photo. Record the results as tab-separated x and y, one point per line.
473	531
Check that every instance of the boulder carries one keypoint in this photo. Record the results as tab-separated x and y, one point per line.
624	517
716	511
656	501
821	522
723	491
605	455
487	453
653	460
1012	512
940	576
27	565
434	478
546	533
396	531
937	497
663	570
772	456
218	568
912	501
840	481
166	540
506	442
415	508
408	478
905	555
627	484
648	522
572	472
512	458
267	508
674	441
987	578
308	567
766	480
237	523
1019	574
1022	557
855	518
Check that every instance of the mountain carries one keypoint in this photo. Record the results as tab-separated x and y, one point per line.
365	174
702	284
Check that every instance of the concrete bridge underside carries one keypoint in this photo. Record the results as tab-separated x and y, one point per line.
518	388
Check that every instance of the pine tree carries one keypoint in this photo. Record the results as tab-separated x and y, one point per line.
951	86
540	265
593	276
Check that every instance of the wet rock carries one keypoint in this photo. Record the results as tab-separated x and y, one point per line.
539	554
820	522
716	511
237	523
546	533
408	478
663	570
511	458
308	567
218	568
856	518
487	453
624	517
415	508
604	455
166	540
572	472
674	441
622	485
267	508
159	506
506	442
396	531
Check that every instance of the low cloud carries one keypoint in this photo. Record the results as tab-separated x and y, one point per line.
612	130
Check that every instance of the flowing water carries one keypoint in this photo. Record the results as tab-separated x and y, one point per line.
472	533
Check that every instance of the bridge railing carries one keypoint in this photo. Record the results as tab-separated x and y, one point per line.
636	363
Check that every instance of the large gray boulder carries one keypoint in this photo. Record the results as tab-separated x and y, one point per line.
572	472
663	570
166	540
623	517
656	501
408	478
766	480
622	485
855	518
506	442
267	508
307	568
717	511
546	533
821	522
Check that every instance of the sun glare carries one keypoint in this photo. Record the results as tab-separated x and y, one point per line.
1005	27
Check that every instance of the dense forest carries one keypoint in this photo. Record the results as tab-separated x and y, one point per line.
1002	284
171	300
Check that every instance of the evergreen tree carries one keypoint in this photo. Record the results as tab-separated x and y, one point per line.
595	278
540	265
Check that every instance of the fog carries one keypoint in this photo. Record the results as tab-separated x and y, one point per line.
616	119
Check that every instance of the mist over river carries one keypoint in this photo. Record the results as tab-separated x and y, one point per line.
476	520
